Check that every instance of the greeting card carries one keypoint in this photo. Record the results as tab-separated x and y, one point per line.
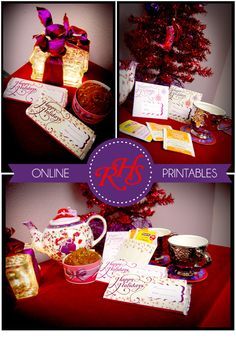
29	91
61	125
109	268
181	103
113	242
150	290
150	100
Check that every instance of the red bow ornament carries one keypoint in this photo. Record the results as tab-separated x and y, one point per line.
61	53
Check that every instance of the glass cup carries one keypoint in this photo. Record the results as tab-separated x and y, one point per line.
21	276
188	253
205	119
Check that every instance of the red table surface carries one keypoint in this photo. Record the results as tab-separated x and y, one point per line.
23	141
61	305
219	153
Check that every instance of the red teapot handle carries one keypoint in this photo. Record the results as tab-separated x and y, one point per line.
104	228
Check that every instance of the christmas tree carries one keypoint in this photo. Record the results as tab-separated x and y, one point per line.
129	217
169	43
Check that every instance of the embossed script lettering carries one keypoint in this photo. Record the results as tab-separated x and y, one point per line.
127	285
47	112
23	89
116	266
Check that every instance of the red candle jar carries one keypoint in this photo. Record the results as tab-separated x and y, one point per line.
92	102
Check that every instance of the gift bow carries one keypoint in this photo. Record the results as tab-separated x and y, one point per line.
54	40
56	35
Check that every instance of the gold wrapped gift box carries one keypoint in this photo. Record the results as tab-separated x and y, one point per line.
75	64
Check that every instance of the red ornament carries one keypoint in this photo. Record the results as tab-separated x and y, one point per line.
169	40
178	31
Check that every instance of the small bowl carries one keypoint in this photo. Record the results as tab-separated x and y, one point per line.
85	115
81	274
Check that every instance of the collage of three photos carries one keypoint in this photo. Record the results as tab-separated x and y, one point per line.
71	260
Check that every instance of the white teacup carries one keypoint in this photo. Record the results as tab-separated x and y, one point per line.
206	118
188	252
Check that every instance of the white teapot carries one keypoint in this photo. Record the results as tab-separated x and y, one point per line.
65	233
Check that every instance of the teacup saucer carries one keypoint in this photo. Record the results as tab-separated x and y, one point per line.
226	126
207	142
198	276
165	260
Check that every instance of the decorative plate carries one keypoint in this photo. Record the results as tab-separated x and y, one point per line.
198	276
207	142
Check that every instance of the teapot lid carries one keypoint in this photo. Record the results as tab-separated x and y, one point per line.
65	216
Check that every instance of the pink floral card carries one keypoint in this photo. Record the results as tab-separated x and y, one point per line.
150	100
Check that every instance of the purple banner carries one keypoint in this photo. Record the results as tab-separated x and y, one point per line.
204	173
120	172
54	173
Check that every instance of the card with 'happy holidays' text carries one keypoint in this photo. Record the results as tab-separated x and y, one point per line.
150	100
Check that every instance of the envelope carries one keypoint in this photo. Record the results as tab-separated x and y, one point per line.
136	251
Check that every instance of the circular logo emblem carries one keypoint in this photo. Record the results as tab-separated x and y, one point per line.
120	172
